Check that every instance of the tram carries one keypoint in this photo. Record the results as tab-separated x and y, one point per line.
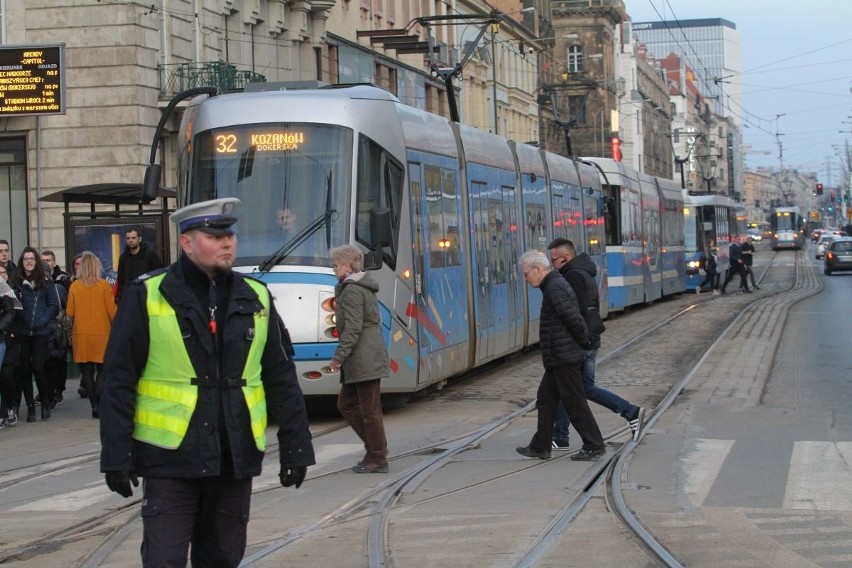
443	210
710	221
644	235
788	228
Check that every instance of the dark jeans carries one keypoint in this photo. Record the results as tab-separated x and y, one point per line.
7	389
564	383
92	381
594	393
31	362
361	406
711	278
211	513
750	269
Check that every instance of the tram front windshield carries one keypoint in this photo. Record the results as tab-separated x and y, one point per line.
287	176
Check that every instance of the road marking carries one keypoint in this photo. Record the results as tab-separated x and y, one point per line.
702	466
73	501
820	477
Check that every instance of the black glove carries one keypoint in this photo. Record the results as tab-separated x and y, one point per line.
293	476
119	481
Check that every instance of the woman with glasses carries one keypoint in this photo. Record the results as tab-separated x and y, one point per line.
32	328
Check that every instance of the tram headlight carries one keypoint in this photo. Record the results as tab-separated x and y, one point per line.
693	264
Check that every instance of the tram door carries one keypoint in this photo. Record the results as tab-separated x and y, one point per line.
498	304
440	306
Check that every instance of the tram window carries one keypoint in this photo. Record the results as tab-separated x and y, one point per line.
380	179
442	215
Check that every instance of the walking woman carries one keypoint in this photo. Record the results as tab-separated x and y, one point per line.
361	356
92	307
8	352
32	328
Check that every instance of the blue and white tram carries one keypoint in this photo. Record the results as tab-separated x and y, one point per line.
644	235
710	220
788	228
318	168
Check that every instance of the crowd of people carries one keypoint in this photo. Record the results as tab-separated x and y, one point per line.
740	263
45	313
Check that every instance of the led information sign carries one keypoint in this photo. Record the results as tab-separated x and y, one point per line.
230	143
32	80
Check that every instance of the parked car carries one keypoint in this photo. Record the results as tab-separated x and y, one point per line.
824	240
838	256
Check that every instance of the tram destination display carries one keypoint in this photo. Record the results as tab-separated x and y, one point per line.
32	80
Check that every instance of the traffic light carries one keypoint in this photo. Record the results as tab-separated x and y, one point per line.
819	189
833	196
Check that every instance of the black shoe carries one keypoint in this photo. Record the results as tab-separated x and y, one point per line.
588	455
559	444
82	392
95	413
723	290
531	453
747	291
31	417
45	411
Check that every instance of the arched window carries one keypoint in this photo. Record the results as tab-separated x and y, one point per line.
575	58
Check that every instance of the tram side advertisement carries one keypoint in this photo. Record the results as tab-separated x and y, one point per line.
32	80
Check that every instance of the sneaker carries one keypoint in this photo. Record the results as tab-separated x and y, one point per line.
697	291
559	444
2	423
11	417
528	452
716	292
59	399
747	291
588	455
636	423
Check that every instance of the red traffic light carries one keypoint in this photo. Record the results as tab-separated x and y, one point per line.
819	189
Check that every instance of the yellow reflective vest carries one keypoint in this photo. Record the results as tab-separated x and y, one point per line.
166	397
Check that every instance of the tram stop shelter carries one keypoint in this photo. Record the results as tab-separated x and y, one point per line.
114	208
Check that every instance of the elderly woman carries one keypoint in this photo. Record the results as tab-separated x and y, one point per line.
361	356
92	305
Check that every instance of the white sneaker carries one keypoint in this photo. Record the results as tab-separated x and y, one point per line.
716	292
697	291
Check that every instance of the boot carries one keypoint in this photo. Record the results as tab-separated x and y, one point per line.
31	417
45	411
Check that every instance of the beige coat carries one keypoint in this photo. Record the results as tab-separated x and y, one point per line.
93	310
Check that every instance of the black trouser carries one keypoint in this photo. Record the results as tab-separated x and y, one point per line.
211	513
565	383
92	381
712	278
31	362
7	389
56	369
738	268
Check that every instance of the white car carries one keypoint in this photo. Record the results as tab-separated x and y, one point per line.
755	235
824	240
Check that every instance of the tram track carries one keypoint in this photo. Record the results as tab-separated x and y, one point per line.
378	505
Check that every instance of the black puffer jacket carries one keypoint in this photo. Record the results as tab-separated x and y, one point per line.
580	273
219	411
563	335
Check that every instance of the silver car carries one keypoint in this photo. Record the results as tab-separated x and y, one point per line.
838	256
824	240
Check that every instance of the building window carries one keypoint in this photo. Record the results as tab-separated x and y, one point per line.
575	59
577	109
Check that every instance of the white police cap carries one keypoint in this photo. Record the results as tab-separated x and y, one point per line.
216	217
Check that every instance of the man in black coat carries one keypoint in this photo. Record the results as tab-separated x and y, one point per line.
136	260
579	271
736	266
197	357
563	338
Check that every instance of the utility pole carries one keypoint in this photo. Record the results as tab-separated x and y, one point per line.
495	27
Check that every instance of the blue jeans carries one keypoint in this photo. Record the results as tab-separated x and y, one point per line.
594	393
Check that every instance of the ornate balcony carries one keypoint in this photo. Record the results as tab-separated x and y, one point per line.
182	76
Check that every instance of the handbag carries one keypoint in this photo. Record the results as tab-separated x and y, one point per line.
61	336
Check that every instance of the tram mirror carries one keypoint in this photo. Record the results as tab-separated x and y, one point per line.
380	227
373	260
151	184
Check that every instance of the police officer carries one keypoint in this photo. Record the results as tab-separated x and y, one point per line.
197	357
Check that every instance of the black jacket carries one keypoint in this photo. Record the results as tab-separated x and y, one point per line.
580	273
40	308
219	412
562	332
131	266
7	316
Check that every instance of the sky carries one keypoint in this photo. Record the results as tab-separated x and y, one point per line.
796	61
